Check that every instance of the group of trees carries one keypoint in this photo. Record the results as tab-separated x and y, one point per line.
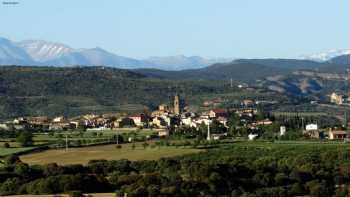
24	138
240	170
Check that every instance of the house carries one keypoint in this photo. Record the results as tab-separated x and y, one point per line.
168	120
73	124
204	120
337	134
139	119
223	121
215	113
311	127
186	121
20	120
38	120
247	102
163	133
4	126
158	113
313	134
163	108
89	116
311	130
283	130
159	122
58	119
337	98
264	122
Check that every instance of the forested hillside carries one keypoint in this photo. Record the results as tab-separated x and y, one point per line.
247	72
73	91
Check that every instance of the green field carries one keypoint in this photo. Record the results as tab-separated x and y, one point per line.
9	151
108	152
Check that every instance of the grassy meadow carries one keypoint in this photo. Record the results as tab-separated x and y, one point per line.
9	151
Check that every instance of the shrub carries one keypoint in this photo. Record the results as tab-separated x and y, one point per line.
6	145
25	138
145	145
76	194
12	159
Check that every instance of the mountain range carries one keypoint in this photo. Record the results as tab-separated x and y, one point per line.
326	56
44	53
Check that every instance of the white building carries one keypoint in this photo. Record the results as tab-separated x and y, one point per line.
58	119
4	127
163	133
252	136
311	127
283	130
186	121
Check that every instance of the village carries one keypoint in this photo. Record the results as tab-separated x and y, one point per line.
216	123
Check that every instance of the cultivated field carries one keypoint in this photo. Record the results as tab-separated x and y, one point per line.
65	195
301	114
108	152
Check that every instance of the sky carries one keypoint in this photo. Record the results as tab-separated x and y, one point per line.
208	28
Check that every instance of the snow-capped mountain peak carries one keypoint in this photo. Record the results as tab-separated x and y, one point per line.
10	53
41	50
44	53
326	56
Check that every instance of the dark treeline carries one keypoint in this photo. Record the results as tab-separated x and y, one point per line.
259	169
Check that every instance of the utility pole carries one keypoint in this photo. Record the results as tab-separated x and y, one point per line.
302	123
66	142
345	119
117	137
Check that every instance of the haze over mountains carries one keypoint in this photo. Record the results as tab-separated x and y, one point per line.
39	52
44	53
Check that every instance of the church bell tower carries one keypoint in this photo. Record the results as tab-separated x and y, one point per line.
177	105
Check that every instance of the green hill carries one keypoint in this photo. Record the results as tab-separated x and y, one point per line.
33	91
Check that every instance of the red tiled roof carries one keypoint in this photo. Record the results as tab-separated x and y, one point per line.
339	132
219	111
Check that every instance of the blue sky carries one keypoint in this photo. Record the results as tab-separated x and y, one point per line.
209	28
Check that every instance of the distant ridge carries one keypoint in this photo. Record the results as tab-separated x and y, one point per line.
44	53
326	56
